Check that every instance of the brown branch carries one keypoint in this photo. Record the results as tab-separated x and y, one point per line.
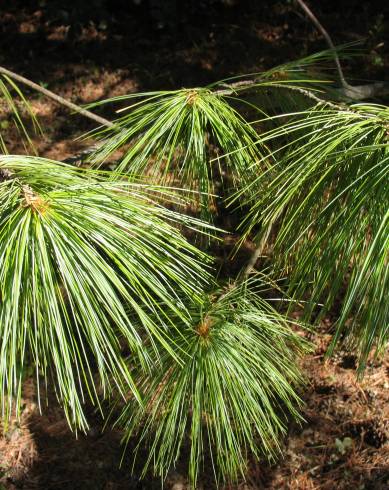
255	255
60	100
311	95
327	37
231	87
355	92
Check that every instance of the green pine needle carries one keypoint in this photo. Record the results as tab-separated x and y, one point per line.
85	266
173	136
231	396
327	195
16	110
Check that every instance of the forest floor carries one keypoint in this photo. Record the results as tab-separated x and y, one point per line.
344	442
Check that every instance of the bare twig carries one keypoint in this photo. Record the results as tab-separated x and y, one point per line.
327	37
355	92
311	95
230	88
60	100
255	255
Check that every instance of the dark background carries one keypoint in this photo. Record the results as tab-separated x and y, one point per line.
162	44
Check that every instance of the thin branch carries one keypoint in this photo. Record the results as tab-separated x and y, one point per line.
327	37
354	92
231	87
312	96
255	256
303	91
60	100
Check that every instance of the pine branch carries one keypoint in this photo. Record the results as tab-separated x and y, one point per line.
328	184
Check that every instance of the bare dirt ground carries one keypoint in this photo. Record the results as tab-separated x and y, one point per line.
344	443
